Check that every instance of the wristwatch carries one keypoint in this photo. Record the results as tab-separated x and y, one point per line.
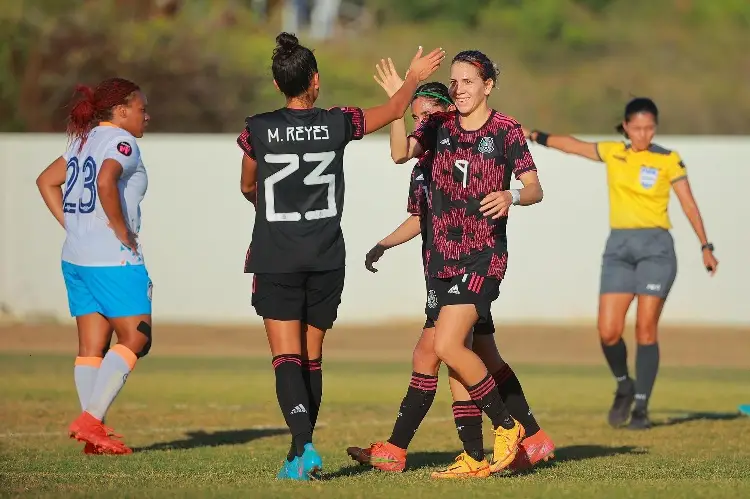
707	246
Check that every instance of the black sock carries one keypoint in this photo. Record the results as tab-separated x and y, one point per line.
293	400
468	420
617	358
646	367
512	395
413	408
487	398
312	373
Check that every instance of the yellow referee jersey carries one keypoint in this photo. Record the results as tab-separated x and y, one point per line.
639	184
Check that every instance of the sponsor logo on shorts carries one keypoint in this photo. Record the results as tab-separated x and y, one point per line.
486	145
648	176
150	290
432	299
124	148
653	287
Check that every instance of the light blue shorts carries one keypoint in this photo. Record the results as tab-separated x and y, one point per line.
121	291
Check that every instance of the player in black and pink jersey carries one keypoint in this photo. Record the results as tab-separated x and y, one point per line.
391	455
475	151
293	172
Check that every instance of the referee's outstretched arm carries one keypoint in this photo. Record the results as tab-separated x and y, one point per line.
564	143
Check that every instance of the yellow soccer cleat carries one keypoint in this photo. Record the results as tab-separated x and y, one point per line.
465	467
506	446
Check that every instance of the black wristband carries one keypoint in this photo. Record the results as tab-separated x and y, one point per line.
541	138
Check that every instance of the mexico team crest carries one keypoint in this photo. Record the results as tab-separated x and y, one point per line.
648	176
486	145
432	299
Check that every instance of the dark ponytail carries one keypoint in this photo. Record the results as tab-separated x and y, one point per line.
293	65
637	106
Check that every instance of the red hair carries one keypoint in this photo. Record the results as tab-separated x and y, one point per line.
92	105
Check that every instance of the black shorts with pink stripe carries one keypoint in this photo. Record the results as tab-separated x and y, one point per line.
465	289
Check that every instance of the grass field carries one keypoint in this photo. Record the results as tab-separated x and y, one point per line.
202	417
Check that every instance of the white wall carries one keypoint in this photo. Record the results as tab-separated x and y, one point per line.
197	227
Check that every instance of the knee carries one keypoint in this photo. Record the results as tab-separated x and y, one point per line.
610	332
425	360
445	348
645	333
139	341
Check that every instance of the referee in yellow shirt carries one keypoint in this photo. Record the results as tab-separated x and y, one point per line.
639	258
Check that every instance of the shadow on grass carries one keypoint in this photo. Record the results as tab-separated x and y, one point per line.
195	439
441	459
688	417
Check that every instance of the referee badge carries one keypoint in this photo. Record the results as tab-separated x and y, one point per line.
486	145
648	176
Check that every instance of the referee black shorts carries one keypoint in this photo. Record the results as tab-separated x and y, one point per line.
310	297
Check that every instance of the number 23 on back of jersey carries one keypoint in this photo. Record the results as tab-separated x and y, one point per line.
276	182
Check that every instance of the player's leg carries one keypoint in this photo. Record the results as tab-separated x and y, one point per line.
537	446
94	337
617	290
463	300
124	295
391	454
471	463
94	334
655	273
322	297
280	300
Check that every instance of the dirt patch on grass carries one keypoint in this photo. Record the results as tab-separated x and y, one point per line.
704	346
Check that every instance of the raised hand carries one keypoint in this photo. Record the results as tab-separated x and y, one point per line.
387	77
423	66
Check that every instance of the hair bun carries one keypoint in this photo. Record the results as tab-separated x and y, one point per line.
286	43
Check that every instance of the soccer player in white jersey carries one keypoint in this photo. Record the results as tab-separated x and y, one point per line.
94	191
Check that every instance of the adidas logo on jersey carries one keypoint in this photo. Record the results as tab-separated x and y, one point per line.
446	142
300	408
454	290
421	177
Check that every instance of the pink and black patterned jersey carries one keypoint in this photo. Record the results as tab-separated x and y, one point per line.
466	167
419	201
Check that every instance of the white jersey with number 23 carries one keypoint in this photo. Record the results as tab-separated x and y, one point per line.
90	241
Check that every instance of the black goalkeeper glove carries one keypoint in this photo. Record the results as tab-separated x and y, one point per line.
373	256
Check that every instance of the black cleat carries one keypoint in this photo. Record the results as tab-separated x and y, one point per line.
639	420
620	411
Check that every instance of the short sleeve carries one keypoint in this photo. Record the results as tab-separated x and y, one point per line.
354	122
71	150
517	152
415	191
245	139
426	132
604	149
676	169
124	150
